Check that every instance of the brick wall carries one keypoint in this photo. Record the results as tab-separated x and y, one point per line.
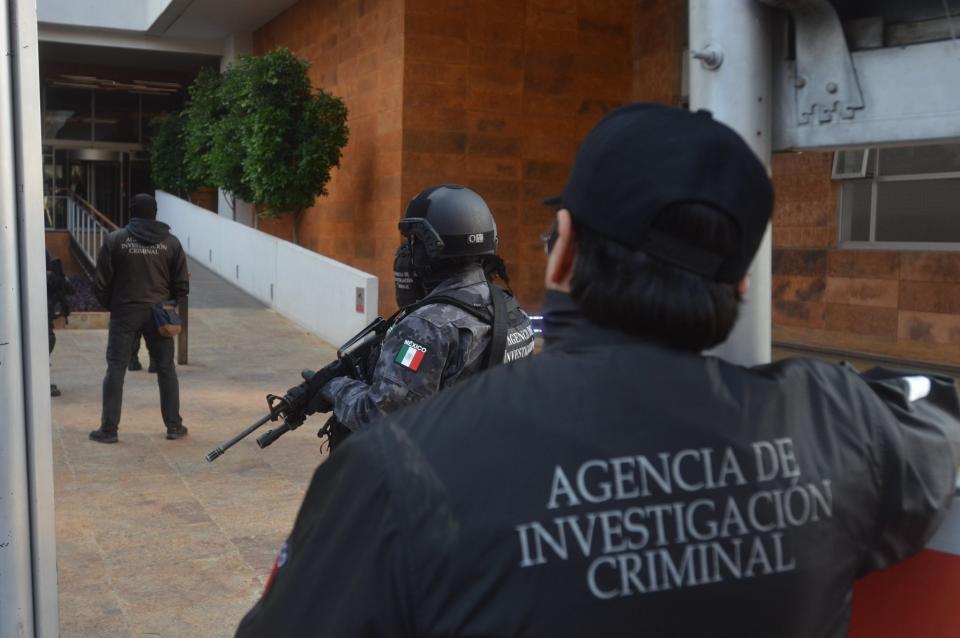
498	94
356	52
495	94
902	304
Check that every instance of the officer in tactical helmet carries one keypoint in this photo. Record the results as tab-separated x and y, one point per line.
453	321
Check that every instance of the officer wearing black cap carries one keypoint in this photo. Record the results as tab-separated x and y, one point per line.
621	483
454	322
139	266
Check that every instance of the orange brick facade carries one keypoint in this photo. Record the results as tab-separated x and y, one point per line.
903	304
495	94
355	48
498	94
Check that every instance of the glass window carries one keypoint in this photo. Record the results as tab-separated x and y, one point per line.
855	201
913	197
67	114
117	117
847	164
55	183
921	211
915	160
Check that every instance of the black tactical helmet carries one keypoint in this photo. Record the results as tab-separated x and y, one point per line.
451	221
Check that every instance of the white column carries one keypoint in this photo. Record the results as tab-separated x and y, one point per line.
738	92
234	46
28	578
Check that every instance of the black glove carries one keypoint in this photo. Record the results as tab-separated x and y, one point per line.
317	403
305	399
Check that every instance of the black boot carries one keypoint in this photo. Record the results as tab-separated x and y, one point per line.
152	367
176	433
54	390
104	436
134	365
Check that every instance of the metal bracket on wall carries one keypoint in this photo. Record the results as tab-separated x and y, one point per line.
826	81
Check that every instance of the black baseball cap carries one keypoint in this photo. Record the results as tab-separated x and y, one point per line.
143	205
642	158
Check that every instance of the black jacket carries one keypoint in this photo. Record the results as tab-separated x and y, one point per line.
613	487
454	345
140	265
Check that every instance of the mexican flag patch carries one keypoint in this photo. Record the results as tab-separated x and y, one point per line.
410	355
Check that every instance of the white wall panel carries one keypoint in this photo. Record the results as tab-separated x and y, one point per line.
314	291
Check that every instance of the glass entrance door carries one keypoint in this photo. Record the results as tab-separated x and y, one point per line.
56	181
105	178
105	185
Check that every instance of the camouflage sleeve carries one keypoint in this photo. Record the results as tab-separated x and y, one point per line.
411	364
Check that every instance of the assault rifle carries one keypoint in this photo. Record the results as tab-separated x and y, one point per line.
356	358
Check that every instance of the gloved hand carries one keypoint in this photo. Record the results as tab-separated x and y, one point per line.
312	401
318	403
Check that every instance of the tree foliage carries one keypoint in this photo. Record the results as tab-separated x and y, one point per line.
203	117
167	151
291	136
261	132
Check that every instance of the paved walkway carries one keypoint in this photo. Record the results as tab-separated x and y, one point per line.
151	539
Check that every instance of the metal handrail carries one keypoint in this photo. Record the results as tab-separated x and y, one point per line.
87	226
106	221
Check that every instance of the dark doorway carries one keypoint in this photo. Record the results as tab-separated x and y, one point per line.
105	188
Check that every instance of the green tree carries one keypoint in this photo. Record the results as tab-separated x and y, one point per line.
261	132
292	136
167	152
213	155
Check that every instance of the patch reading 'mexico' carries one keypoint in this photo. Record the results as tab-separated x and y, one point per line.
410	355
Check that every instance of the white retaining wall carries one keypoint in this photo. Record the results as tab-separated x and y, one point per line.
314	291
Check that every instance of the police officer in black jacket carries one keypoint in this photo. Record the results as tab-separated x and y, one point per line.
138	266
448	328
59	290
621	483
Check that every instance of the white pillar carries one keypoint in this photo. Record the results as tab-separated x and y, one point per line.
738	92
234	46
28	577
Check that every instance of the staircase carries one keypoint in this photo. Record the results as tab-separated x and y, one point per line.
88	227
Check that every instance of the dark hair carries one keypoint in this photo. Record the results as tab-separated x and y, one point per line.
643	295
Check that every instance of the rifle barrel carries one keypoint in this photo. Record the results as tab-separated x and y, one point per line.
217	452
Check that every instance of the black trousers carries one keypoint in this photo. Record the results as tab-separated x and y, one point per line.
126	326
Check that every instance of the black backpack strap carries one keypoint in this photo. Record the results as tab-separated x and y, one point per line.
498	341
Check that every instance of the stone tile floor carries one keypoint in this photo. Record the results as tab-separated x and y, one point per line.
151	539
